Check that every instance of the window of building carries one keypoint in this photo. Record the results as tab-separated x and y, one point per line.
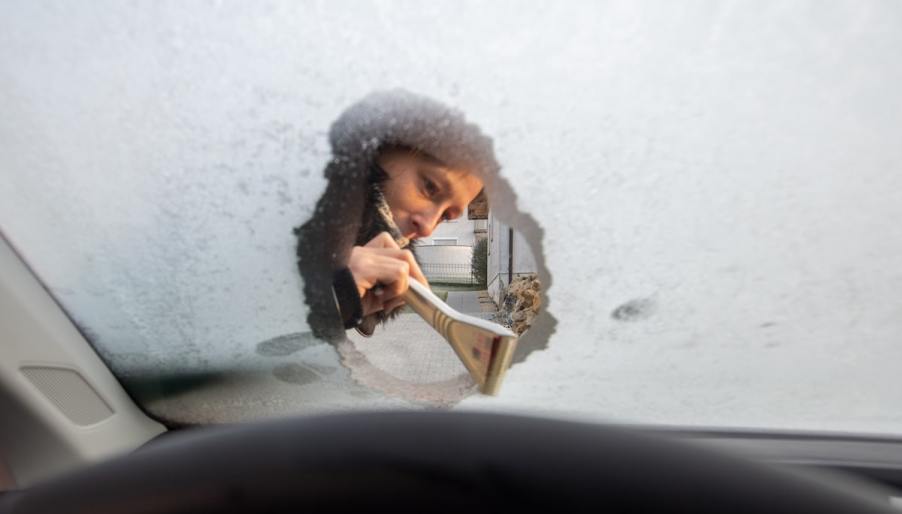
444	241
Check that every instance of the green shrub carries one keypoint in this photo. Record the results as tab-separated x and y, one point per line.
479	262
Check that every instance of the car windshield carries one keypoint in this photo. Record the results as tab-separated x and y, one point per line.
694	220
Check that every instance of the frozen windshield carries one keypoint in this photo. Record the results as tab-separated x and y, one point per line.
709	194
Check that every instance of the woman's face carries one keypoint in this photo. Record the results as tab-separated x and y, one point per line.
422	191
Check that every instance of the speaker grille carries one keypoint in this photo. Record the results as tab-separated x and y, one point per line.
70	393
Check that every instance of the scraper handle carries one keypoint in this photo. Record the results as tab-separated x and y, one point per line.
485	348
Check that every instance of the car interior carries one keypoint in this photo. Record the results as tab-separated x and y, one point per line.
74	441
677	287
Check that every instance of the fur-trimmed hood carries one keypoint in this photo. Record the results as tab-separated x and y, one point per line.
403	118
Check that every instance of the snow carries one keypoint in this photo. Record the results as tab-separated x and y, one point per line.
734	165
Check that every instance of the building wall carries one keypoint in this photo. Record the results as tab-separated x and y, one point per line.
444	254
435	257
461	228
499	257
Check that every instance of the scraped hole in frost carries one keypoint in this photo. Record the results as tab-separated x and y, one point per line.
417	170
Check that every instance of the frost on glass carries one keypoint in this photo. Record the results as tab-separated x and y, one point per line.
715	187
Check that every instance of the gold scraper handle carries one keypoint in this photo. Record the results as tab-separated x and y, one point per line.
484	347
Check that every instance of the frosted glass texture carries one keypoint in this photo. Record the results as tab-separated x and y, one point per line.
719	188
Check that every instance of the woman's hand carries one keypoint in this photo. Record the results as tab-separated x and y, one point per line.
381	262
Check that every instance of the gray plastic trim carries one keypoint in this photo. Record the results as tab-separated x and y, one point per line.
37	438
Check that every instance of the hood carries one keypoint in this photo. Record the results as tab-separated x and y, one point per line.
400	117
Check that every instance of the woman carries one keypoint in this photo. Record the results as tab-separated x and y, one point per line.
402	164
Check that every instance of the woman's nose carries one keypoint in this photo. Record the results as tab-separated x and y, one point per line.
425	222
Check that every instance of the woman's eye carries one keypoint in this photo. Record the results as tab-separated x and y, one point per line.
430	188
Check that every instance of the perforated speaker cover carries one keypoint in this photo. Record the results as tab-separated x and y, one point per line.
70	393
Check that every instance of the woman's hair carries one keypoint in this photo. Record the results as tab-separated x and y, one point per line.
377	173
